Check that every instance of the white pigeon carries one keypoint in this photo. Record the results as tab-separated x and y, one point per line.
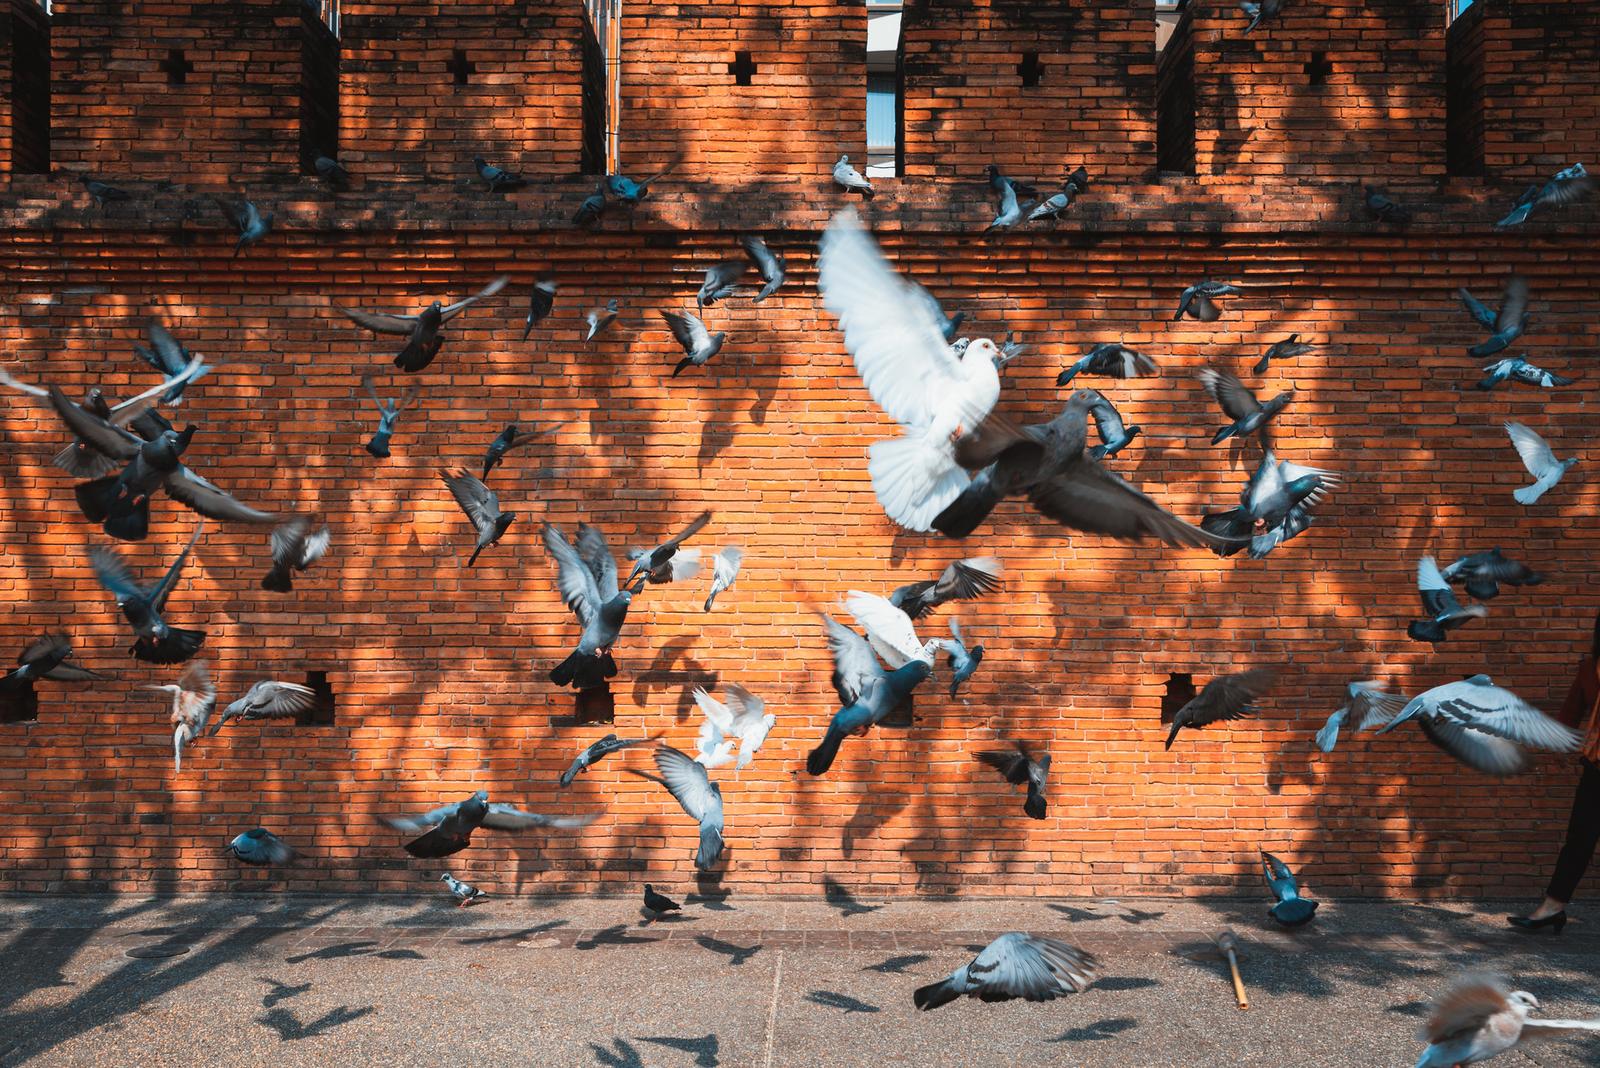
741	719
724	569
1009	211
713	748
194	698
900	351
1479	1018
1539	460
1484	725
890	630
850	178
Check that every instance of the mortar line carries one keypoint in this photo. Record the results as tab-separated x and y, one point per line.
772	1011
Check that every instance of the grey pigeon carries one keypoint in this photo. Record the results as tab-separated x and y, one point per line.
770	265
1381	207
721	280
508	439
1274	507
47	657
1225	697
1289	347
998	182
497	179
1019	767
259	847
464	893
698	796
963	661
850	178
600	318
1010	349
660	904
591	756
422	330
250	223
1008	210
867	693
1015	966
652	560
698	344
1114	437
268	699
295	547
586	575
593	206
1566	187
449	828
167	355
1111	358
388	416
1484	726
963	580
1052	206
1483	573
1368	704
1518	369
1455	734
157	642
329	170
630	192
194	698
1198	300
681	565
541	298
1290	910
1442	612
1480	1017
1266	9
482	507
101	191
1539	460
1508	324
724	569
1249	415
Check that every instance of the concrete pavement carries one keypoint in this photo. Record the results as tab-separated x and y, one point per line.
759	982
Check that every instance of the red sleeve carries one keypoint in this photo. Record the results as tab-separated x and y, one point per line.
1580	699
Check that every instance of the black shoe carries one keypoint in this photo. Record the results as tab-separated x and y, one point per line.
1555	922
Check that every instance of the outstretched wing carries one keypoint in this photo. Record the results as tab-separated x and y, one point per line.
1038	969
380	323
854	663
1535	453
109	440
510	818
1226	389
450	311
596	555
890	630
158	596
211	500
476	499
1091	499
687	780
573	577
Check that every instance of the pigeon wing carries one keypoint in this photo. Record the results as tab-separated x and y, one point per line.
687	781
1038	969
1535	453
113	574
966	579
1483	752
1514	306
510	818
1091	499
854	662
423	823
1497	711
1466	1007
211	500
380	323
1231	394
596	555
1477	309
890	630
158	596
476	499
573	577
105	438
688	331
450	311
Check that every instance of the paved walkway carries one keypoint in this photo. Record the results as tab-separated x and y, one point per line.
741	982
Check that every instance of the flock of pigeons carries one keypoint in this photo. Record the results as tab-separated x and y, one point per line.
955	460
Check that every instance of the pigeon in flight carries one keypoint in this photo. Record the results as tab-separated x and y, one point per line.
194	698
268	699
101	191
770	265
1224	697
683	564
699	797
1015	966
47	657
712	748
743	719
329	170
1288	348
244	217
169	356
1198	301
295	547
448	829
1018	767
651	561
1274	507
724	569
600	318
963	661
963	580
698	344
1478	705
498	180
1539	460
629	192
721	280
509	439
586	575
1507	325
1518	369
1565	187
1110	358
1480	1017
464	893
907	366
659	904
422	330
260	848
1368	704
1291	909
1483	573
1442	612
1475	748
1384	209
1249	415
850	178
157	642
388	415
1048	463
602	748
541	299
482	507
867	693
1266	9
1114	437
121	503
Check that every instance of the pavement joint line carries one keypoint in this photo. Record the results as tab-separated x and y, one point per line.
772	1010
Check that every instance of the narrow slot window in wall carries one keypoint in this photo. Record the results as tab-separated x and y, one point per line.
177	67
742	69
319	88
322	713
884	104
1463	94
460	67
30	89
1175	95
601	51
1318	69
1030	70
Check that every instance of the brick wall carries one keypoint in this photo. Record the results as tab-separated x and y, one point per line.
439	672
1540	70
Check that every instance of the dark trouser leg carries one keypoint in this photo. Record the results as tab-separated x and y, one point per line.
1583	834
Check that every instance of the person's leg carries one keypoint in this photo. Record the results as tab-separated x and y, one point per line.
1583	835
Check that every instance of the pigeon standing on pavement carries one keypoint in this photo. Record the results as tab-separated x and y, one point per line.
157	641
1381	207
724	569
659	904
1506	325
1015	966
963	580
850	178
1289	347
1019	767
260	848
963	661
1225	697
268	699
770	265
244	217
586	575
1539	460
1110	358
600	318
388	416
464	893
1483	573
1291	910
1518	369
194	698
699	797
422	330
497	179
1480	1017
721	280
541	299
482	506
1566	187
590	756
1249	415
448	829
698	344
1199	300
